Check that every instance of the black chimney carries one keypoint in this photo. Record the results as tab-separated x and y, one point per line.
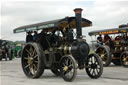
78	22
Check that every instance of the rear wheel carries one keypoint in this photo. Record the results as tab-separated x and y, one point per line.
32	60
94	66
124	59
68	68
10	54
104	53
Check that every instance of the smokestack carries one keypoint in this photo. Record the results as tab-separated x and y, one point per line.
78	12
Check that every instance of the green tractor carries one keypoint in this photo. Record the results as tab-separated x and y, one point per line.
18	50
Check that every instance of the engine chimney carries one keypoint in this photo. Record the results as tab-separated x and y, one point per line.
78	12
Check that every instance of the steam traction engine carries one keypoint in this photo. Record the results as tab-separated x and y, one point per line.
114	50
59	50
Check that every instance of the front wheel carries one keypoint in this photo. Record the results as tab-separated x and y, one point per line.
94	66
124	59
32	60
104	53
68	68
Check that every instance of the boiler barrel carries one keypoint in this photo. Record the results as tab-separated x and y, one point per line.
65	50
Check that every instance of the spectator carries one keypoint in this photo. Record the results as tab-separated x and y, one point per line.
107	38
117	38
99	40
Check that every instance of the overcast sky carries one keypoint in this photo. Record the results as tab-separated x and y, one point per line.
103	14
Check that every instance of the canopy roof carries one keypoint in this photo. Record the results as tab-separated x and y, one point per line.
109	31
53	25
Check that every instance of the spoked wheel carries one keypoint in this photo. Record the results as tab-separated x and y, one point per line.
68	68
104	53
124	59
32	60
10	54
56	71
94	66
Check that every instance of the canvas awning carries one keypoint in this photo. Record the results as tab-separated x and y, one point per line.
54	24
109	31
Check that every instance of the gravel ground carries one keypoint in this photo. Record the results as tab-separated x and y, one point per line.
11	74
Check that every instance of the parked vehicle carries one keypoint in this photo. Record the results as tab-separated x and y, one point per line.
5	51
60	49
18	50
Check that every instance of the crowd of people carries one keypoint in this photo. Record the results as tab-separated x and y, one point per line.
107	39
34	36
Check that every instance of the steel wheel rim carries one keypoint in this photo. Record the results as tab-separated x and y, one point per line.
67	68
103	55
93	66
30	60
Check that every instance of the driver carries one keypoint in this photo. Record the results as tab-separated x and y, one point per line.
29	37
70	36
43	39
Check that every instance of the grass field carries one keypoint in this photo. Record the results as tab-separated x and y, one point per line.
91	51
